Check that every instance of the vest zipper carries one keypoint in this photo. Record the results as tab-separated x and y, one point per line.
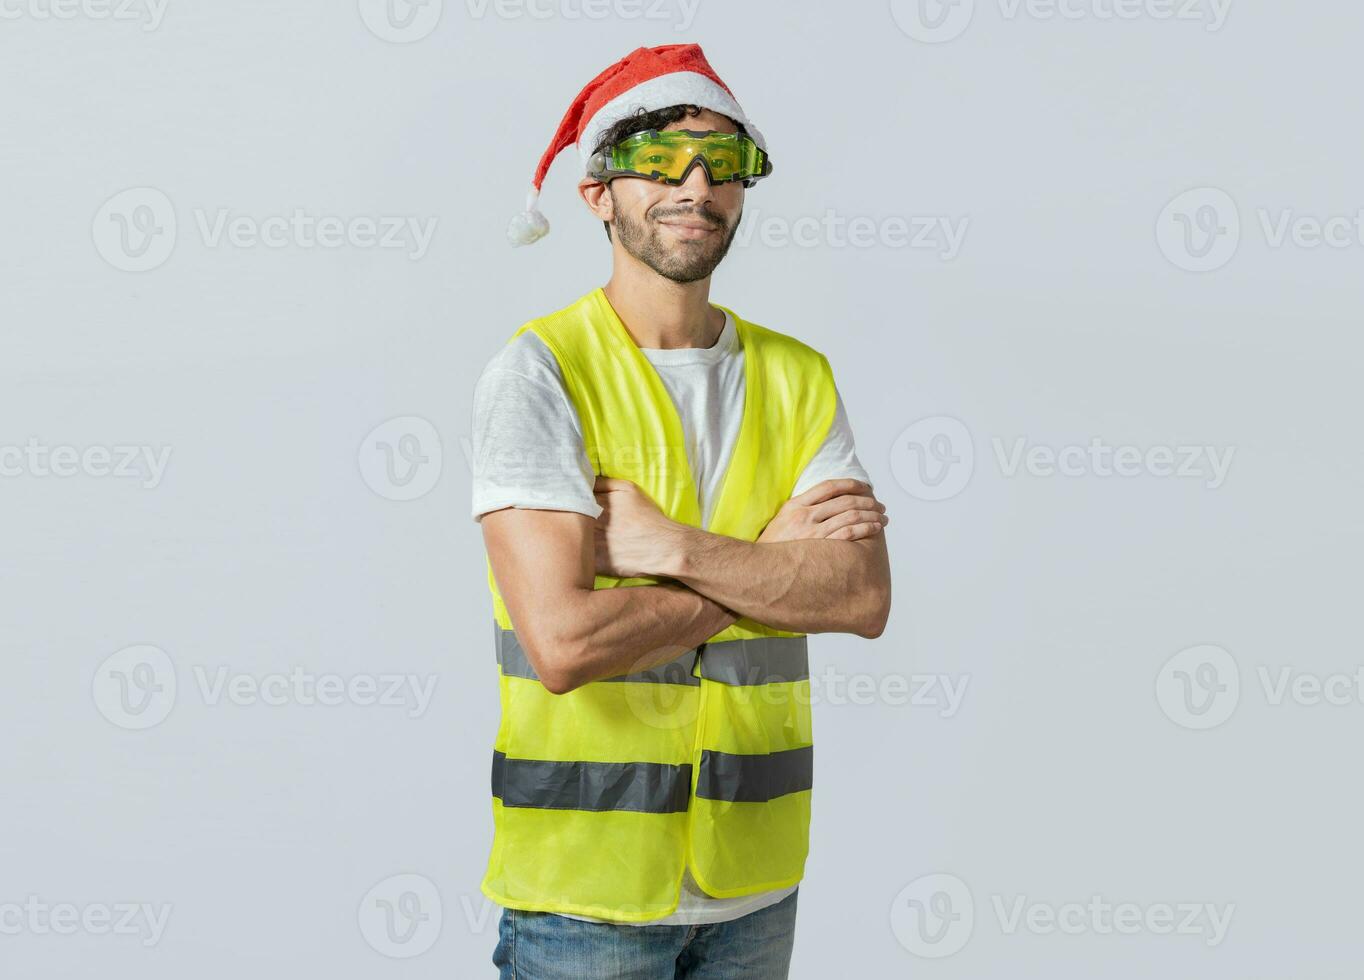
695	756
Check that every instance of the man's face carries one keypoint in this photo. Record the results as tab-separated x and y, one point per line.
680	232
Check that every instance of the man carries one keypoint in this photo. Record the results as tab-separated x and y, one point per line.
670	500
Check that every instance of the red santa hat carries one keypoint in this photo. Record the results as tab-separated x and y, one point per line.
646	78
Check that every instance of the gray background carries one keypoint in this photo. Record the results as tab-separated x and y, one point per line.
1057	600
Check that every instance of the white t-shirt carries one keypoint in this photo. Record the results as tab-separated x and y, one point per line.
528	452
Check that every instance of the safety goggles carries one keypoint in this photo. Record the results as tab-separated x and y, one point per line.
669	155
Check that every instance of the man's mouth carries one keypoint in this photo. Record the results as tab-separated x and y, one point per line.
688	228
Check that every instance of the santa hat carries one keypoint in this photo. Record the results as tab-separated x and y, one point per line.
646	78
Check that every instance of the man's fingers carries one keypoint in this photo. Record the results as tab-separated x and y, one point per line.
856	532
825	489
852	517
827	509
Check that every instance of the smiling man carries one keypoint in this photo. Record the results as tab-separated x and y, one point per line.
670	501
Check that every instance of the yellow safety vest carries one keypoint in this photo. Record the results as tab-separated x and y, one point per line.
602	796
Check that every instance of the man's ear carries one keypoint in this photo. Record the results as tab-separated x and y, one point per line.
598	198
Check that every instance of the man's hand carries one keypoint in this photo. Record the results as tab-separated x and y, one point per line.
811	571
841	510
631	533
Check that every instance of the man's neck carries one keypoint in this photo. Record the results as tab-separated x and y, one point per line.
661	314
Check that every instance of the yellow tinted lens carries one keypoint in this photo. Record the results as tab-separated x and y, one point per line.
724	162
656	157
669	153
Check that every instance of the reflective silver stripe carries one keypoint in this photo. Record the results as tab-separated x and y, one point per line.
765	660
511	656
754	778
645	787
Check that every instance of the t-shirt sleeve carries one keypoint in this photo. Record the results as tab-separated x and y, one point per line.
836	457
527	441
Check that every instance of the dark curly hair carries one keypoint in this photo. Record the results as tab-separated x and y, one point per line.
642	122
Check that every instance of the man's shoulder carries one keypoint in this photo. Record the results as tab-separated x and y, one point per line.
526	355
778	345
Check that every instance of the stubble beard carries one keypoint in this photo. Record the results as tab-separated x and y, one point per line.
679	260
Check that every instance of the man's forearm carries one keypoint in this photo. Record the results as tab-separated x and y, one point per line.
809	586
609	632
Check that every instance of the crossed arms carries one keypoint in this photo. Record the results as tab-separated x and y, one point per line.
820	566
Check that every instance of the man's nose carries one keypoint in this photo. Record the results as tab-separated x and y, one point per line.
696	187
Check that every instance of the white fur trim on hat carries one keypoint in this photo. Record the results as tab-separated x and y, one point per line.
676	88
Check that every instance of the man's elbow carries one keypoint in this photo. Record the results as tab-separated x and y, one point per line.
876	612
557	663
871	629
560	683
559	680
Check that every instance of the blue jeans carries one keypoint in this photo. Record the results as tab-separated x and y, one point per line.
544	946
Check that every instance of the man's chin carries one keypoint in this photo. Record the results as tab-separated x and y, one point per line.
685	265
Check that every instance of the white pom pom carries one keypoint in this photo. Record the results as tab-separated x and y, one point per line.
530	225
